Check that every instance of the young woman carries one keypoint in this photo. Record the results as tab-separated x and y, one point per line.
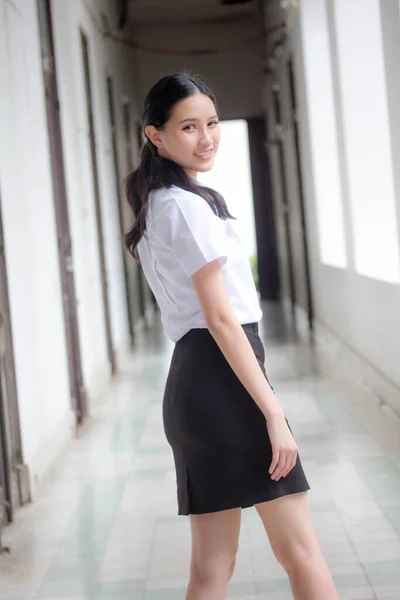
232	445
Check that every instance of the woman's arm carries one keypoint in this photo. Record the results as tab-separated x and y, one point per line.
223	325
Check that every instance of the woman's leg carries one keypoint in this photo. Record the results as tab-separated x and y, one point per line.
291	532
215	538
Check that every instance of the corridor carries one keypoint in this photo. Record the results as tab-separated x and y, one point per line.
104	526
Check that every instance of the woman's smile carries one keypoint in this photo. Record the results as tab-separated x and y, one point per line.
204	155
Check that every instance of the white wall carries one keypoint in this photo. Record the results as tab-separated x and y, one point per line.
360	315
28	213
105	58
30	240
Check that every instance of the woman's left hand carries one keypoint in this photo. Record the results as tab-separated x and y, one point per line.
284	447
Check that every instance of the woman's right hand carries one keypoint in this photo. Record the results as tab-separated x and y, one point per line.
284	447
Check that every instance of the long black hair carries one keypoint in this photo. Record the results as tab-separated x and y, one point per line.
155	171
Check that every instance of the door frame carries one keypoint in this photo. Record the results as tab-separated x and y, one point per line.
264	217
140	276
299	175
117	175
14	474
79	398
96	192
285	206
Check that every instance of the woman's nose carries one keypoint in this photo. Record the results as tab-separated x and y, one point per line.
205	137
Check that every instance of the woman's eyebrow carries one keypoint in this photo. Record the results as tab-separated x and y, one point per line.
194	119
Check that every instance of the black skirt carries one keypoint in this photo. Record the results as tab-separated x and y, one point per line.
217	432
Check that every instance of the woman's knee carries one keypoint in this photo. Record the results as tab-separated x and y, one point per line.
297	554
213	568
215	539
290	530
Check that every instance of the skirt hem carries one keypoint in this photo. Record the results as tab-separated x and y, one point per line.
258	498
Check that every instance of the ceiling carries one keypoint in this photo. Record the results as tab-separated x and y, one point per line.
163	12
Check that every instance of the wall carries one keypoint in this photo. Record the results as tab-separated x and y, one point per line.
47	420
357	317
106	58
30	240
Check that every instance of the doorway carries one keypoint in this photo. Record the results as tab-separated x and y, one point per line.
264	218
113	128
137	276
285	207
78	393
140	276
96	188
300	187
14	479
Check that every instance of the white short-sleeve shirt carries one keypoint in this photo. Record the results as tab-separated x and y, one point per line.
182	235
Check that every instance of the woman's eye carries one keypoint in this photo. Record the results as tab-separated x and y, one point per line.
210	123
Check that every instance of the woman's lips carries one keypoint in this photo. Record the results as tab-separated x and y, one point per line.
204	155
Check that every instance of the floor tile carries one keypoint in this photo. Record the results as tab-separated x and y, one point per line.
386	591
105	525
383	573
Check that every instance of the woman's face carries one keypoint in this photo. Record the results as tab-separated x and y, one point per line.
191	136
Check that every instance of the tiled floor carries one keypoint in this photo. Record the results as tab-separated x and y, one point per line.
105	526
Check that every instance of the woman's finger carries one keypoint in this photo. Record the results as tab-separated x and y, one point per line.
280	468
292	463
275	461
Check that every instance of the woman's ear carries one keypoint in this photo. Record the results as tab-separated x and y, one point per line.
154	135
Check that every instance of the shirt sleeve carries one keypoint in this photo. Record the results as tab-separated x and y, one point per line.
195	233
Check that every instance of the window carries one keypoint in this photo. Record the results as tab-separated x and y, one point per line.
322	127
367	138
